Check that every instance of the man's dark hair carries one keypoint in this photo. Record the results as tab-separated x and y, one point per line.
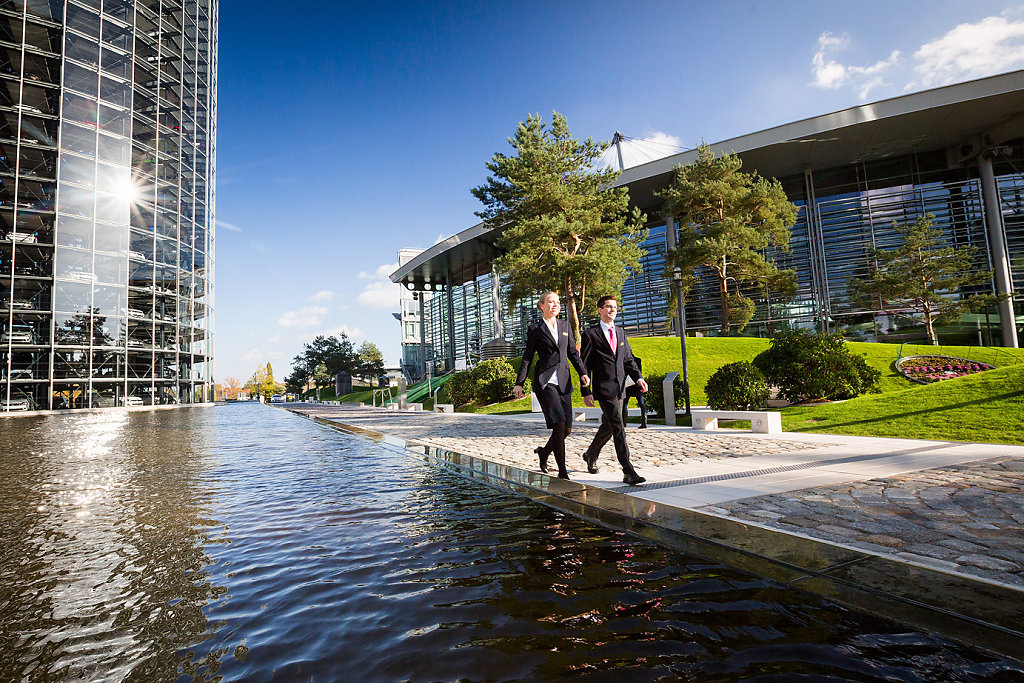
603	299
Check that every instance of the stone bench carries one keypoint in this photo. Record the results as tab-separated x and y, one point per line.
415	407
583	414
444	408
761	421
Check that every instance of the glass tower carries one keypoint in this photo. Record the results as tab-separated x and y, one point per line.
107	147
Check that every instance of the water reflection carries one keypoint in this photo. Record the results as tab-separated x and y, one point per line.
246	543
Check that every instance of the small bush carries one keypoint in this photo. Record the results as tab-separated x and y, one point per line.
655	397
490	381
493	380
806	367
737	386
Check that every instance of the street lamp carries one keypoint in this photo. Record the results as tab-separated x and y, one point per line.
677	281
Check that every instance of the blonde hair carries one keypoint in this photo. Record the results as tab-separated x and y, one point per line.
544	297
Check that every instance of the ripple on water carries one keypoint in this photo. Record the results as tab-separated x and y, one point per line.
247	543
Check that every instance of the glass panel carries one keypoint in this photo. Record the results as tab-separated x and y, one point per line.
47	9
38	131
74	232
81	79
76	201
72	330
115	92
117	35
83	20
45	38
114	179
113	149
77	170
109	300
83	49
40	69
72	297
112	239
107	330
112	208
118	64
114	121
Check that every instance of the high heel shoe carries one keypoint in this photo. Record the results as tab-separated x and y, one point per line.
543	455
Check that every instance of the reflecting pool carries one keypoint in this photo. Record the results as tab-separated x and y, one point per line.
247	543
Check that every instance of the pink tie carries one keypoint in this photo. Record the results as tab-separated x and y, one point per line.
611	338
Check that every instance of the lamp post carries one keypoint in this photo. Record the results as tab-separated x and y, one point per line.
677	281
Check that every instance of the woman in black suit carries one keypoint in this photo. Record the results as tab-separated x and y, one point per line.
553	343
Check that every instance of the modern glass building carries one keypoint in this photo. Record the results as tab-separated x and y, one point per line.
955	152
107	148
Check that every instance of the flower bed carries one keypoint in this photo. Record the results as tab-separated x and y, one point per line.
928	369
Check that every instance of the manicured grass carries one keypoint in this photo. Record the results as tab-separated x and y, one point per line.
327	394
981	407
985	407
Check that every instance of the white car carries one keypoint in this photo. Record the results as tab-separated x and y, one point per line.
133	401
135	313
18	337
19	305
21	373
277	398
137	255
81	275
28	107
16	404
24	238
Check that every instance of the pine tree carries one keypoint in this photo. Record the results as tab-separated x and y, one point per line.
564	227
922	275
727	219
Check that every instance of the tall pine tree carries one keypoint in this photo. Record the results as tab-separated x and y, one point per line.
564	227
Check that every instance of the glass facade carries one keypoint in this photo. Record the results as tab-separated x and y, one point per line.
843	212
107	149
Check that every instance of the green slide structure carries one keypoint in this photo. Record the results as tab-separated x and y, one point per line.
418	393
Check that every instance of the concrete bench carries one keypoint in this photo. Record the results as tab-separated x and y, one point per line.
583	414
761	421
444	408
415	407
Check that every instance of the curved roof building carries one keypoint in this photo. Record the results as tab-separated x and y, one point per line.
956	152
107	148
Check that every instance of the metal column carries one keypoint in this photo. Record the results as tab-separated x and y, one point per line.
997	247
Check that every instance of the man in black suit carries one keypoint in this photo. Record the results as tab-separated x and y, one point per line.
607	355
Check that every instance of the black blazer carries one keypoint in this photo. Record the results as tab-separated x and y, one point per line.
607	372
551	355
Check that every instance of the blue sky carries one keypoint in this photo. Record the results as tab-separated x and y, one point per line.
347	131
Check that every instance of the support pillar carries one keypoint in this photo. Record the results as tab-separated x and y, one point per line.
499	324
997	250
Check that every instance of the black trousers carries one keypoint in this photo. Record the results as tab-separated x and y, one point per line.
639	401
612	428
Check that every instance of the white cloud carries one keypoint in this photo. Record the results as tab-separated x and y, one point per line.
227	226
259	356
274	339
351	332
830	74
322	295
383	294
990	46
381	273
304	317
664	139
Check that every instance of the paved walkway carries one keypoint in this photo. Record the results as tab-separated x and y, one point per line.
957	507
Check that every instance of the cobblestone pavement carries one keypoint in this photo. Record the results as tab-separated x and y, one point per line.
511	442
967	518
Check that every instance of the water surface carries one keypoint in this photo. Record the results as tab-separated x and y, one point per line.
246	543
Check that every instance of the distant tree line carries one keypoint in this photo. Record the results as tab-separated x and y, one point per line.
323	358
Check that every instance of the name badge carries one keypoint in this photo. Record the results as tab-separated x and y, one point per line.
565	334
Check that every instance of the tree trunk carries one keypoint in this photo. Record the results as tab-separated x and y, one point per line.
723	297
572	310
929	326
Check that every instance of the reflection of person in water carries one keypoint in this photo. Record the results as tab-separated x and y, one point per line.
553	343
633	391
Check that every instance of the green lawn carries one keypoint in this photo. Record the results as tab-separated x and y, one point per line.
986	407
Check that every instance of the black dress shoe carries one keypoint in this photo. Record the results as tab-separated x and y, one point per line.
591	464
563	475
643	425
542	454
633	479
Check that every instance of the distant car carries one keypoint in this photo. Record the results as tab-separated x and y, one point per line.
28	107
83	275
133	401
18	305
138	255
18	337
24	238
277	398
21	373
16	404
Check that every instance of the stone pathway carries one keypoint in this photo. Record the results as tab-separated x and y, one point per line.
967	518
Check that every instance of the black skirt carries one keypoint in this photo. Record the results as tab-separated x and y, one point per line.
557	407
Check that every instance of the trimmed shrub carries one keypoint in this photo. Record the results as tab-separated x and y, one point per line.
490	381
655	397
737	386
493	380
806	366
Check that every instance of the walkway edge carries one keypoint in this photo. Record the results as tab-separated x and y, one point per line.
980	613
